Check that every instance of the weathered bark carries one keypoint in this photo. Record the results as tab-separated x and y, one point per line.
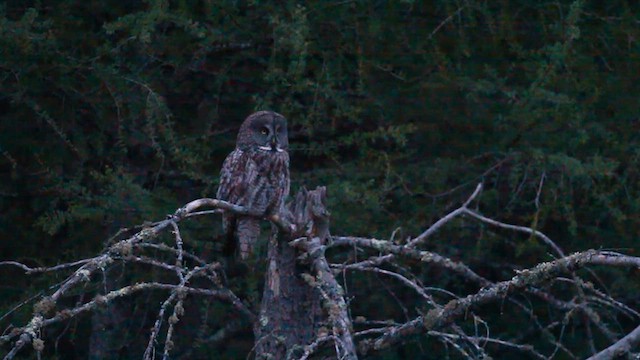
290	310
332	298
292	316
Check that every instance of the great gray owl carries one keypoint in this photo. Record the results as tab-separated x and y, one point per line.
255	175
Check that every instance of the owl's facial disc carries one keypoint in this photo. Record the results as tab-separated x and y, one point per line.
264	131
271	134
270	141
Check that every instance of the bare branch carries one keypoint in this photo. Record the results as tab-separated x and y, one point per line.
192	206
333	296
524	348
404	251
315	345
452	215
621	347
29	270
308	223
119	249
418	289
179	292
438	318
523	229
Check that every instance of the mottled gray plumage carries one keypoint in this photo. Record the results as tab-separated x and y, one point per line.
255	175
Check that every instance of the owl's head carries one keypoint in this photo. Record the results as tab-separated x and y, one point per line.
264	131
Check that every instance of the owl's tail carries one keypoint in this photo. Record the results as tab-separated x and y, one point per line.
229	230
248	231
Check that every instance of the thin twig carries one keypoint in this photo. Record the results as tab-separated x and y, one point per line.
450	216
29	270
523	229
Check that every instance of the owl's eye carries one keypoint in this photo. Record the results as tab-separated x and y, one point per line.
264	131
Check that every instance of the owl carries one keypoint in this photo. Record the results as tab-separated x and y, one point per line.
256	176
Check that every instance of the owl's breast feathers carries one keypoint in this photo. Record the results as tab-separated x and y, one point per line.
258	180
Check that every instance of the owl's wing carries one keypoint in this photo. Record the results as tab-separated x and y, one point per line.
239	173
230	176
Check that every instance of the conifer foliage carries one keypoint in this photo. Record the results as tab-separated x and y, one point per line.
114	114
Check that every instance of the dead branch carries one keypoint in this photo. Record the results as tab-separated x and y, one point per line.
438	318
29	270
438	224
333	296
304	226
119	250
621	347
312	211
387	247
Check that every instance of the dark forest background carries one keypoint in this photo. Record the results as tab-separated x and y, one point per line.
113	113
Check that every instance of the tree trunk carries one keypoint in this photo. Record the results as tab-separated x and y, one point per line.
290	310
291	316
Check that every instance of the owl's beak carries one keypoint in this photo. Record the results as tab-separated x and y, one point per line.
274	143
